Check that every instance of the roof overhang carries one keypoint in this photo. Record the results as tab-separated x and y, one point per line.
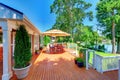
13	23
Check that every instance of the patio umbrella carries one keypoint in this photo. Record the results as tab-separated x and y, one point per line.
55	33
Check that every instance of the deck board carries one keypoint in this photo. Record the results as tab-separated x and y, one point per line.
62	67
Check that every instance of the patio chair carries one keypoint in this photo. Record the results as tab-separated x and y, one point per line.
51	49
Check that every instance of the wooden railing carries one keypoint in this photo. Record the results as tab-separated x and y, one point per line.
102	64
90	62
108	63
73	48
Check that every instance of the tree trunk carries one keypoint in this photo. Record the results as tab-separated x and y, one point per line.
118	45
113	38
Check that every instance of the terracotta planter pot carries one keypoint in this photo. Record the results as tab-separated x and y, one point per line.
22	72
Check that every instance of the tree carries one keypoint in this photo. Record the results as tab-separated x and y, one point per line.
46	40
118	36
108	15
70	13
22	52
86	35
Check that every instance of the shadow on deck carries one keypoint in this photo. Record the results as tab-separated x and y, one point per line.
62	67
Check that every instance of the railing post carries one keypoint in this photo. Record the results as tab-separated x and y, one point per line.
101	66
86	59
94	59
119	71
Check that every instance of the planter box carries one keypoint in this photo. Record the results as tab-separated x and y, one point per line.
22	72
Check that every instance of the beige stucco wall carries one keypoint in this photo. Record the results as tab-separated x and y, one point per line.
36	42
14	25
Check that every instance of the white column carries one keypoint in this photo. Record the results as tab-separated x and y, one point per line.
36	42
87	67
13	44
9	54
41	40
7	72
32	43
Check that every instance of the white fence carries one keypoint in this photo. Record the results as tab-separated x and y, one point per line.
102	64
73	48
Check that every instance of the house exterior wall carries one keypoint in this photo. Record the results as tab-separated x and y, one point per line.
7	68
33	36
11	25
9	20
14	25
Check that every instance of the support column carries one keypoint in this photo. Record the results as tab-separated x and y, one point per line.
13	42
10	55
87	67
32	43
7	72
119	71
41	40
38	42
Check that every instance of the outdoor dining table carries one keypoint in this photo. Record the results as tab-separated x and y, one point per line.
56	48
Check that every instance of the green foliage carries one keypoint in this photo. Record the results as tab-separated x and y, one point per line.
101	48
107	12
60	39
70	13
1	38
46	40
108	16
85	35
22	52
63	39
83	51
79	59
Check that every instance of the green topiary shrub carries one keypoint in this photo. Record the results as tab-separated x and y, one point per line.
22	52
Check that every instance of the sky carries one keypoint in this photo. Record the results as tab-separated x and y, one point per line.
38	12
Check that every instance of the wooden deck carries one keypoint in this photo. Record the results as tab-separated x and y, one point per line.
1	69
61	67
1	62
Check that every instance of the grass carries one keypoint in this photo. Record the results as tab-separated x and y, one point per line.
103	54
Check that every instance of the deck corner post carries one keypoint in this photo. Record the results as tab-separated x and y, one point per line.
86	59
119	71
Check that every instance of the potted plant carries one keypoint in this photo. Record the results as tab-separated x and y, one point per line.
22	53
37	51
41	48
75	60
80	62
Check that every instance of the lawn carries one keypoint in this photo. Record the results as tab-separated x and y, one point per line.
103	54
